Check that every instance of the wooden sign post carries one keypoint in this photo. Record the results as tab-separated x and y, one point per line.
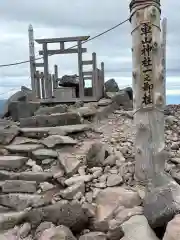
148	89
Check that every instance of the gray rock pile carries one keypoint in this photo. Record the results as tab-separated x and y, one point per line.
65	175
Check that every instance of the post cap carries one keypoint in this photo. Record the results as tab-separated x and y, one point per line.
135	3
30	28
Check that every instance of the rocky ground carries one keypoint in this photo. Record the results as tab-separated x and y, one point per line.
69	174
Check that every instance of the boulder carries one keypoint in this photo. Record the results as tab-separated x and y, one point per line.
25	94
111	86
97	154
61	108
129	92
137	228
8	131
69	81
52	120
109	200
173	229
59	233
65	213
121	98
18	109
162	202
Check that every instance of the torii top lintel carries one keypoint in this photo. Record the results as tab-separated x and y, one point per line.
64	39
135	3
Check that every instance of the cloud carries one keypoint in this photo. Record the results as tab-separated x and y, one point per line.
60	18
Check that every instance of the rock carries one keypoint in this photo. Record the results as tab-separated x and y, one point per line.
19	201
115	231
60	233
108	201
162	202
54	140
111	86
175	160
18	186
173	229
104	102
123	214
45	186
59	119
94	236
24	95
110	160
36	168
8	235
12	162
73	180
7	132
71	191
171	120
121	98
86	111
41	228
65	213
24	230
114	180
129	92
137	228
42	154
61	108
69	81
69	163
26	176
23	148
96	155
19	109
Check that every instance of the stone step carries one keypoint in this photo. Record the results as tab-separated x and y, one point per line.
18	186
27	176
39	132
23	148
12	162
52	120
11	219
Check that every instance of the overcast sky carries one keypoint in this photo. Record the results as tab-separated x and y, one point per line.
64	18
